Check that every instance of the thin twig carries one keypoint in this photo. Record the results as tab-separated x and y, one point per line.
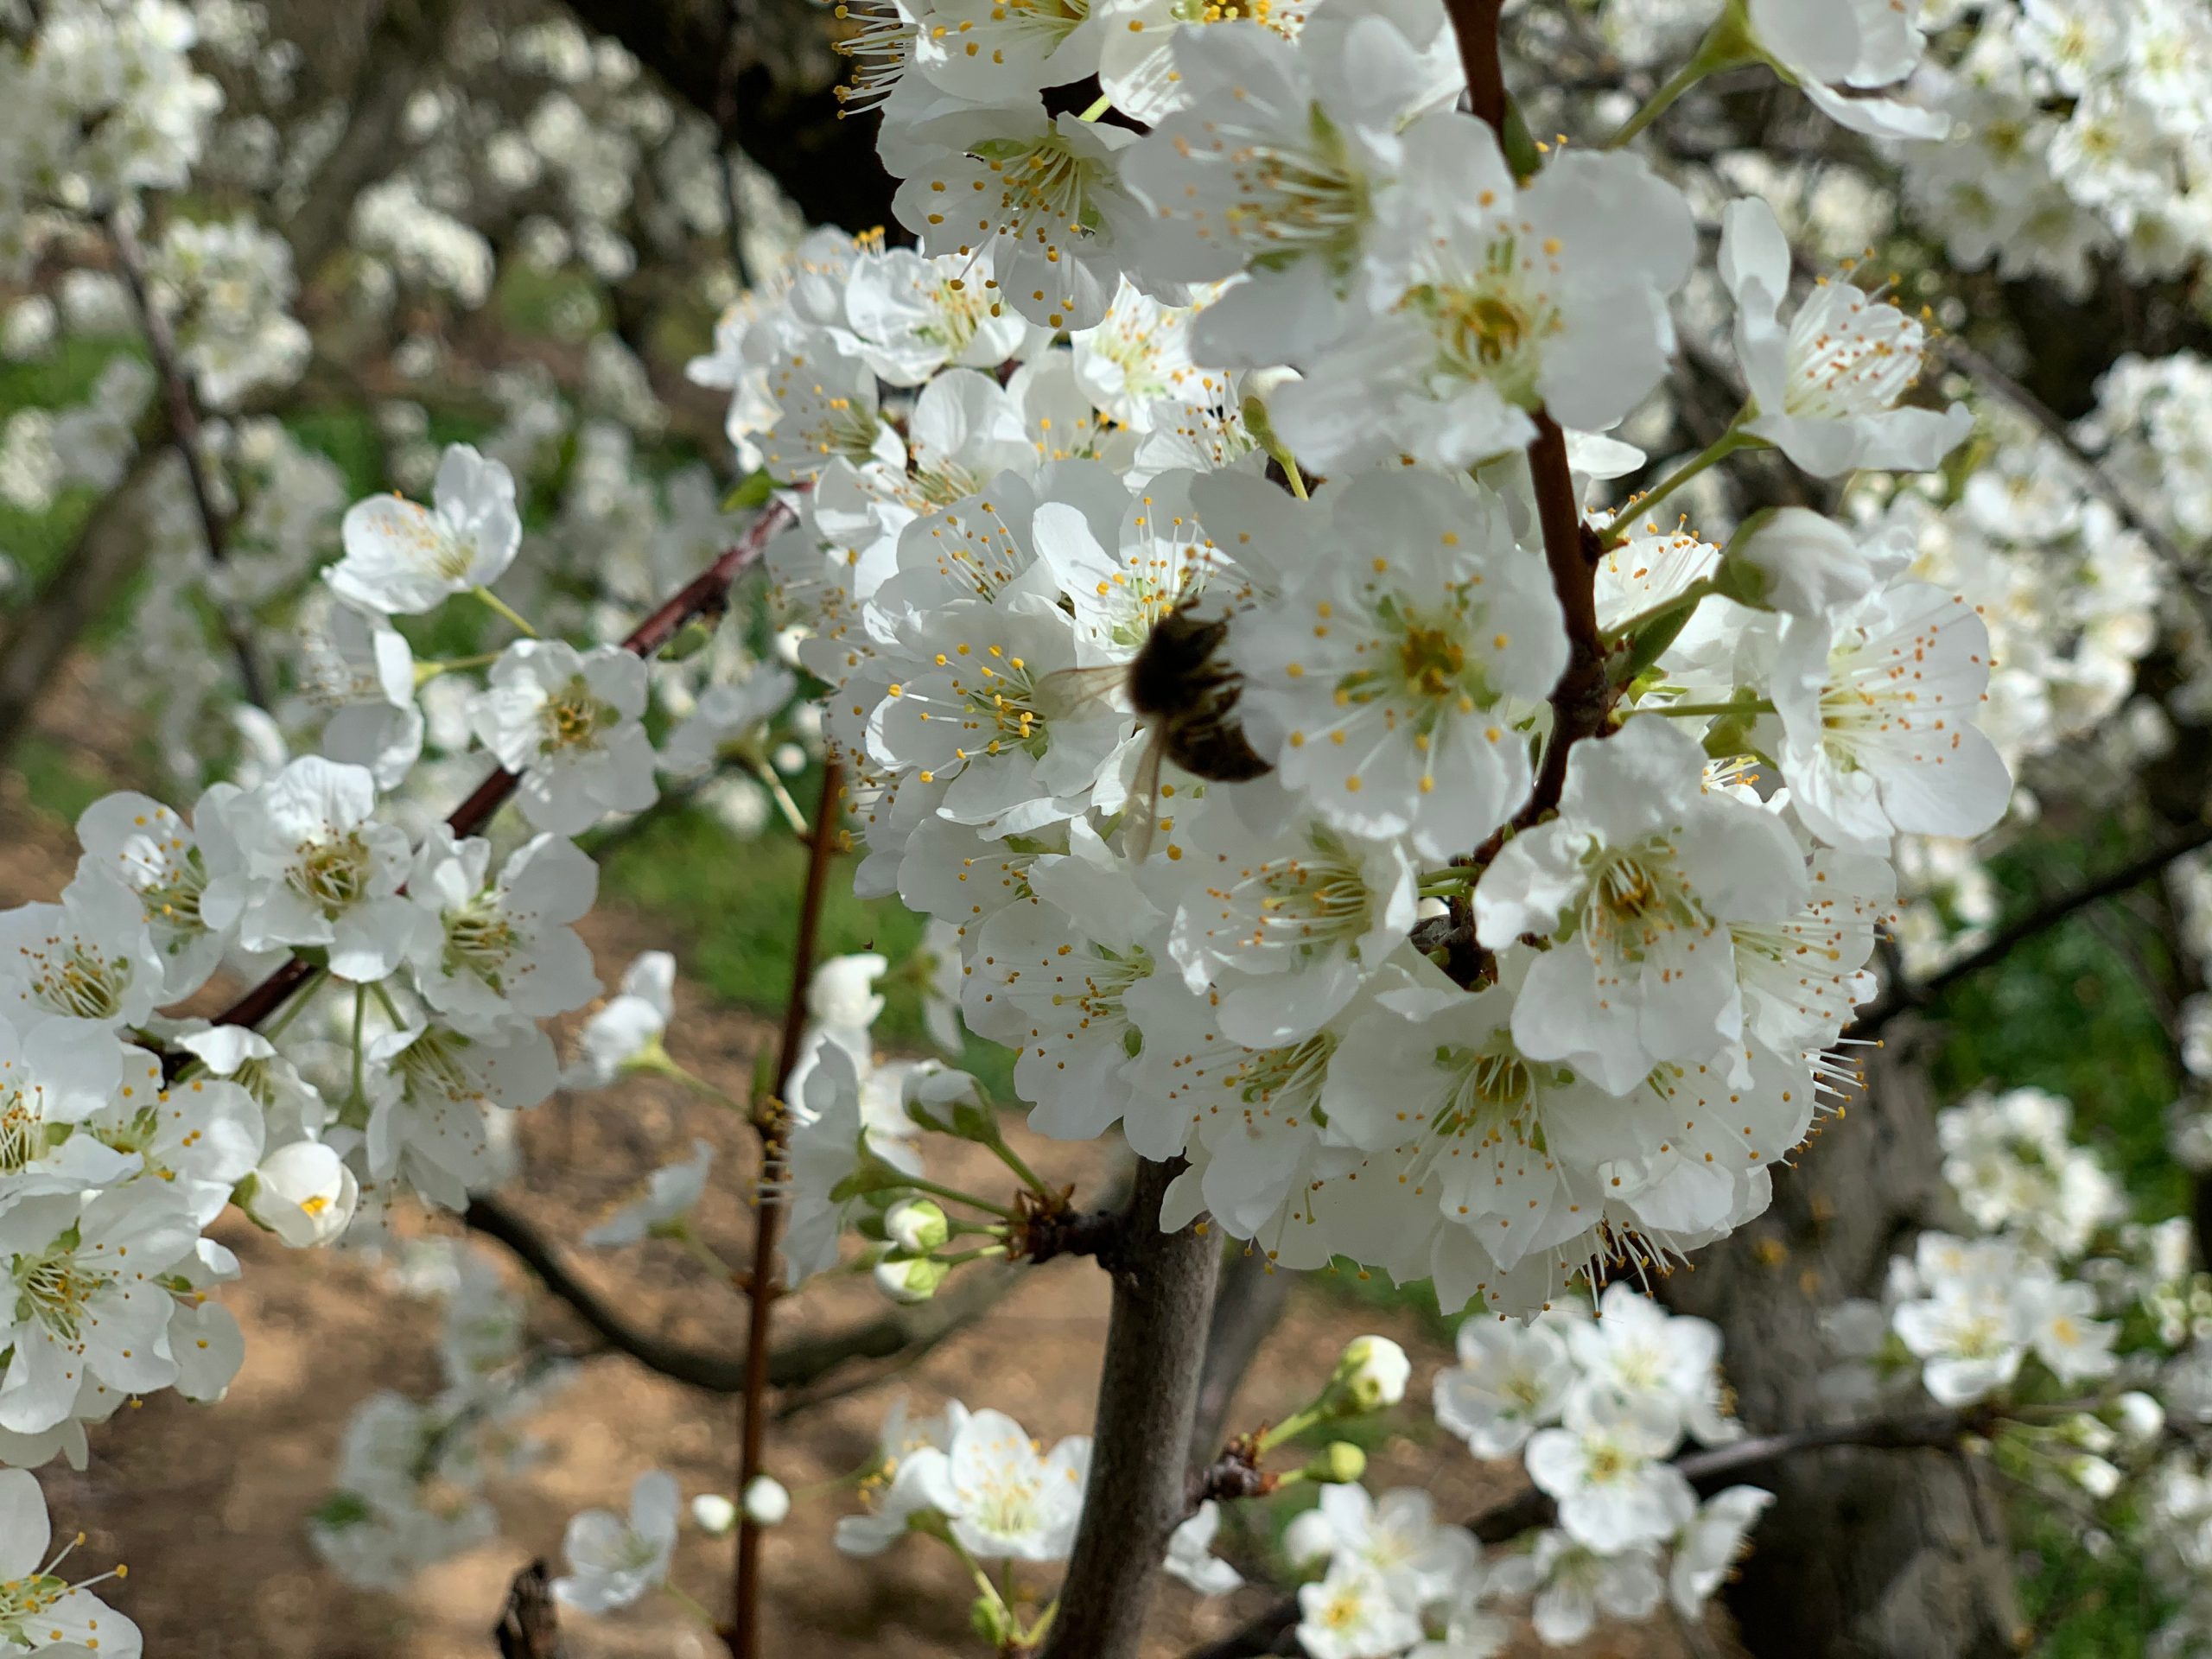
184	435
1900	999
743	1636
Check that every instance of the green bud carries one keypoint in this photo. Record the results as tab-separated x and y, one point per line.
690	640
917	1226
911	1279
989	1619
1338	1463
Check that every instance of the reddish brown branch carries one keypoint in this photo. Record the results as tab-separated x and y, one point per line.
1475	22
743	1636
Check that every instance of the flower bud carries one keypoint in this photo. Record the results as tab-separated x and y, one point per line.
2094	1475
716	1515
1802	563
303	1193
917	1226
1372	1374
766	1502
1338	1463
2142	1419
909	1278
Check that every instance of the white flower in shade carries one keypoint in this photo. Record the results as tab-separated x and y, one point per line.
314	869
842	993
403	559
200	1137
1877	705
304	1194
1711	1545
1969	1336
1380	681
913	317
1635	878
1353	1613
431	1086
1135	365
830	1133
1842	55
1511	1379
88	963
1040	192
1191	1557
937	966
672	1192
1794	560
494	950
567	722
1064	980
1666	1364
628	1029
725	713
51	1080
292	1105
359	669
1605	1465
152	851
1396	1536
614	1559
1270	169
1010	1502
1552	296
88	1301
1573	1583
2063	1329
1825	390
1278	929
40	1611
910	1483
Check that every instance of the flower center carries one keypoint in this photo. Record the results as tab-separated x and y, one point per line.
573	718
24	1134
72	980
333	874
1431	661
1849	354
433	1064
53	1290
1489	323
479	938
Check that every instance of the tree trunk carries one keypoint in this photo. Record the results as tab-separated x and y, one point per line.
1147	1397
1865	1554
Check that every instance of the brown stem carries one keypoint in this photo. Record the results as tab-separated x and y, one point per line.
1475	22
1147	1395
743	1635
708	592
184	433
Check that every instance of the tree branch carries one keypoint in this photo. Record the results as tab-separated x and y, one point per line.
791	1364
1900	999
743	1635
184	436
1148	1394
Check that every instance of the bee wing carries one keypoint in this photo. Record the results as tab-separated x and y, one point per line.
1068	691
1140	812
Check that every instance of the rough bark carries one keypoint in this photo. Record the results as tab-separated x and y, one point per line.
1865	1554
1147	1395
769	85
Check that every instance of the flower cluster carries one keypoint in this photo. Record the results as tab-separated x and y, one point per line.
1248	806
2078	132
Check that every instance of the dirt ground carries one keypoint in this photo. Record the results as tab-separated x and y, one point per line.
209	1504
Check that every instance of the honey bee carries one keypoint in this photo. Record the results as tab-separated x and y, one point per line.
1185	694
